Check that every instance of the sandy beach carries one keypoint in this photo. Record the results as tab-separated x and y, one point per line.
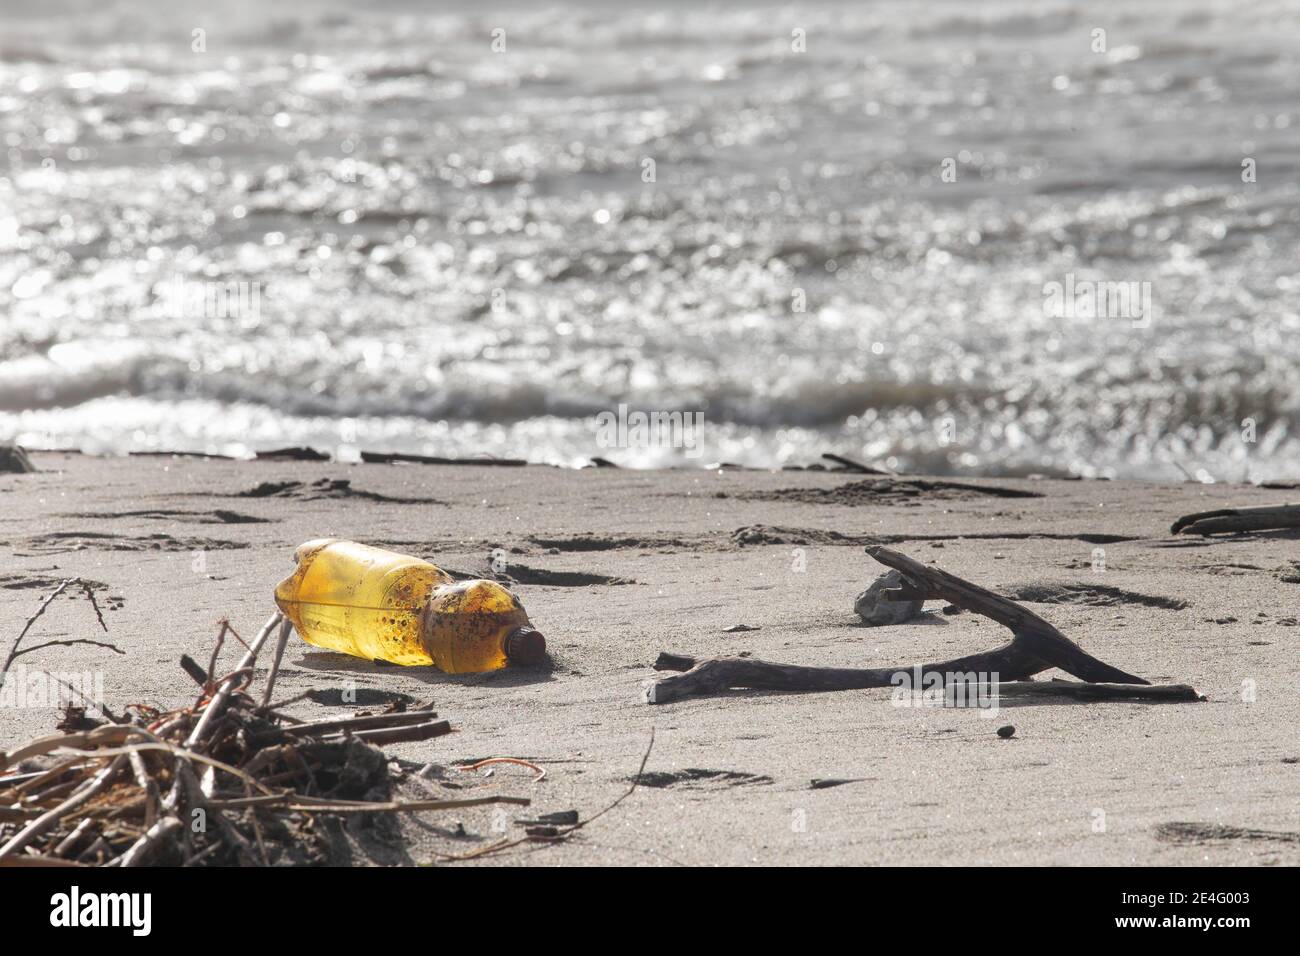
615	566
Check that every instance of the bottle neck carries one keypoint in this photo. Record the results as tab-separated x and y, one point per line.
525	647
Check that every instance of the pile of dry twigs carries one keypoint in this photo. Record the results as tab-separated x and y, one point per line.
228	780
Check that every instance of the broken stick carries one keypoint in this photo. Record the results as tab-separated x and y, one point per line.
218	703
1035	646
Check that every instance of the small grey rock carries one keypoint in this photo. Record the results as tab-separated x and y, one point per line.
875	611
1007	732
13	458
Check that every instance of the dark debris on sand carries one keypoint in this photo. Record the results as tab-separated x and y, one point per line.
889	491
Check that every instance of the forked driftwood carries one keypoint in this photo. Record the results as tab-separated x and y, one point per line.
1232	520
1035	646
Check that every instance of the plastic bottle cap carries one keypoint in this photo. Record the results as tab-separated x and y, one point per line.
525	646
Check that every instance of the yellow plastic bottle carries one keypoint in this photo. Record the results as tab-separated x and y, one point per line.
378	604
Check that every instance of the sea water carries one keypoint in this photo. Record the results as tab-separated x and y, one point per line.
952	237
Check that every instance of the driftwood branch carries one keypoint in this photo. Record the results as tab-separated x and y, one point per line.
1035	646
1234	520
1074	690
761	674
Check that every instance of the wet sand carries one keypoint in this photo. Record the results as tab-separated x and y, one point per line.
615	566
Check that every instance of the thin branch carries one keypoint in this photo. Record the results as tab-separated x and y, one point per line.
94	603
94	704
540	771
564	833
68	643
13	651
100	736
223	626
286	628
306	804
273	708
636	782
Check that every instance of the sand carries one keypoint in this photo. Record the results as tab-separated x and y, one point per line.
616	566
